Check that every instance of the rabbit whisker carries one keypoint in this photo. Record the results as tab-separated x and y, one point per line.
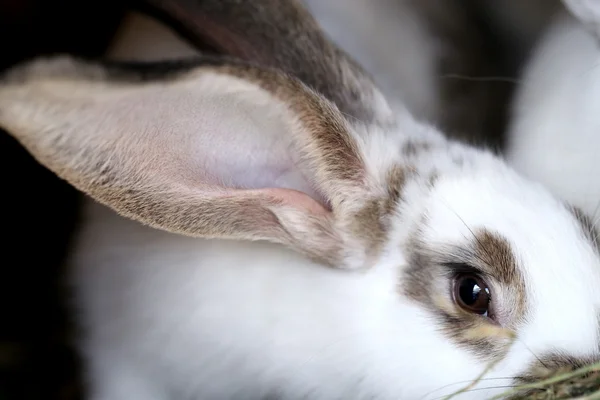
480	389
499	79
532	353
483	248
465	382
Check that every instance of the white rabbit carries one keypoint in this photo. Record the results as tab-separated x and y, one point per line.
255	238
554	135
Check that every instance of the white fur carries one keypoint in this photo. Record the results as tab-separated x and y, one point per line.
188	318
554	134
169	317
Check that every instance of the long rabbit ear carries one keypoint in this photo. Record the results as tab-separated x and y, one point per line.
280	34
206	148
587	11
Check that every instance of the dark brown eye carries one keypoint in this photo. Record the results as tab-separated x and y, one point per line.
472	294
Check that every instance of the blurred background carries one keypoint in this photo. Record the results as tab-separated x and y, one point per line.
39	211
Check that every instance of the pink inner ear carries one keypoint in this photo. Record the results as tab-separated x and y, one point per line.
298	200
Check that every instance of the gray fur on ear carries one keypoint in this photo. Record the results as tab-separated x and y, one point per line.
280	34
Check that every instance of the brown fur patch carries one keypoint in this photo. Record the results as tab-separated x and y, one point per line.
396	178
427	279
372	221
497	259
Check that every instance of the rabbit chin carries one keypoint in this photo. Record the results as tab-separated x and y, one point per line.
166	316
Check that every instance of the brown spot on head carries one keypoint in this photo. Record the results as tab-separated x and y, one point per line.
496	258
395	180
372	221
429	276
587	226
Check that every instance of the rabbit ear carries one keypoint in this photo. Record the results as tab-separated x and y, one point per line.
587	11
280	34
205	148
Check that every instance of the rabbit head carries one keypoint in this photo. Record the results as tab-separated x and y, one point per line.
455	261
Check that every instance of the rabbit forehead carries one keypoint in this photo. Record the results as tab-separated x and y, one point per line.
555	266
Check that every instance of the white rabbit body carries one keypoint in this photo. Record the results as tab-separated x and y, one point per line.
165	316
554	133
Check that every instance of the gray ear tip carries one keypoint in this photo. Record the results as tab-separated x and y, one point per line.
41	68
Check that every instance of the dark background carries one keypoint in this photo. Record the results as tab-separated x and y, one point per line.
39	211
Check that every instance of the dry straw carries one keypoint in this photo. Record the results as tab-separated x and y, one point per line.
580	384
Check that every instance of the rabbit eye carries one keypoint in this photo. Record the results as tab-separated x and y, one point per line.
472	294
